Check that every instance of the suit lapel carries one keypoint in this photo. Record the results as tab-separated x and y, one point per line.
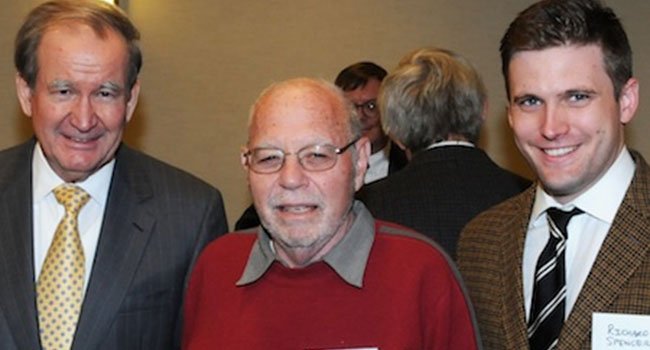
125	232
617	261
514	318
17	287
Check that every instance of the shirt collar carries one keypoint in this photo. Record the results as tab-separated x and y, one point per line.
613	186
451	143
348	258
383	154
45	179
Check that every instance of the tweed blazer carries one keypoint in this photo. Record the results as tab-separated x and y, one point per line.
490	259
156	222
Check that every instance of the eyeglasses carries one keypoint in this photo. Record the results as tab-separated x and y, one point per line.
312	158
368	108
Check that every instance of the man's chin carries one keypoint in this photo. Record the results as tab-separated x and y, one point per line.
562	187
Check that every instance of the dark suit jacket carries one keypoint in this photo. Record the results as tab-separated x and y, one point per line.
490	258
157	220
396	161
440	190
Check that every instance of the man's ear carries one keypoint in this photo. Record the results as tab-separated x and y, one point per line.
486	110
243	160
363	158
628	100
133	100
24	93
509	114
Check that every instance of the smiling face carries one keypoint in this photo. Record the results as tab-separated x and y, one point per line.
305	212
567	122
79	104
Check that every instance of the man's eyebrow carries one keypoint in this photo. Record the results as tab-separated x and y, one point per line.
112	86
524	96
585	91
59	83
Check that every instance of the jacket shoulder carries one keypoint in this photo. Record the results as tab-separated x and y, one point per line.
15	163
135	165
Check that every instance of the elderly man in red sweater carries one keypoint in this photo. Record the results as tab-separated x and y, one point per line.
320	273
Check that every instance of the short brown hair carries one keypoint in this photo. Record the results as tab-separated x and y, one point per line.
551	23
357	75
99	15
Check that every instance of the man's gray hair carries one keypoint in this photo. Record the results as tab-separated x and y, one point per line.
432	95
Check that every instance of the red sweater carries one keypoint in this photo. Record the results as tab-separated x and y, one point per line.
410	299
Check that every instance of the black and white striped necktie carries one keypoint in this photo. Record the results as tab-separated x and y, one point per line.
549	291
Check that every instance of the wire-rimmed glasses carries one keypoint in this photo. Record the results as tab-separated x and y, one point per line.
267	160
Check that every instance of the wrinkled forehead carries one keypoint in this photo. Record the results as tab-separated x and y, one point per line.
296	115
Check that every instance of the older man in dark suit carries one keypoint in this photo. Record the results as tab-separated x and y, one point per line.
433	105
97	238
540	265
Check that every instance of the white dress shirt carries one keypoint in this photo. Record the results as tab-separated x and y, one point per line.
586	232
378	165
48	212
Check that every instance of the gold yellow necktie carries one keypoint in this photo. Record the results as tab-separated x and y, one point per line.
60	287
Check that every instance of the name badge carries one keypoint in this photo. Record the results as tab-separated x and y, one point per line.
620	331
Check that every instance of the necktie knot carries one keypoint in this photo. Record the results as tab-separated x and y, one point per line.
560	219
72	197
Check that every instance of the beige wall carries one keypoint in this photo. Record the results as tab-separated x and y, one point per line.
206	61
